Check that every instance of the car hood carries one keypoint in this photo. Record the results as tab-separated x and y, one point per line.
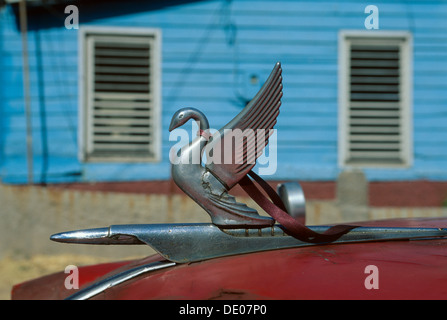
423	254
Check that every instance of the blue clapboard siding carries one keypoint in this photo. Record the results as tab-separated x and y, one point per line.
210	50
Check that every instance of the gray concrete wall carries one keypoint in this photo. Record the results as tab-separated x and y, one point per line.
30	214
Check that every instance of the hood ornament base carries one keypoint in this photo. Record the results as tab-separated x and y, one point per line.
183	243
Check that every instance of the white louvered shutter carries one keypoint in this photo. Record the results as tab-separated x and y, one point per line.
122	105
376	114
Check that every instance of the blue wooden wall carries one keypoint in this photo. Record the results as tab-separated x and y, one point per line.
210	52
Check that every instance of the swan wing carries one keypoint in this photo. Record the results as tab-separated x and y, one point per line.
236	146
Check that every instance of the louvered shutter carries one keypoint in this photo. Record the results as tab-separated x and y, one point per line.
122	103
375	115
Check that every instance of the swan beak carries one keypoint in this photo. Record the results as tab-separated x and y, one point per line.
173	125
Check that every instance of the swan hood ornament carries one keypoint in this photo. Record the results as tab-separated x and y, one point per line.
250	130
235	228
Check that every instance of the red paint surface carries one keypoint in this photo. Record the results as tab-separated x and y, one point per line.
406	270
408	194
52	287
419	193
323	190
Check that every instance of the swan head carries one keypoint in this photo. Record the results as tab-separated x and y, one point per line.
183	115
179	119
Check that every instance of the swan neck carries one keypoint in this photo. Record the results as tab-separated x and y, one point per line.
201	120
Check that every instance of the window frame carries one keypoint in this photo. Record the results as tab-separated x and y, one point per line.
85	65
405	41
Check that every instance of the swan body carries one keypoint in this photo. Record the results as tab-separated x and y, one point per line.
208	185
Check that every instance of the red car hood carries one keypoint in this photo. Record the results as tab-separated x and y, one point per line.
407	270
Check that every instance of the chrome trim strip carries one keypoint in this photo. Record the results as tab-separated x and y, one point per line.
184	243
117	279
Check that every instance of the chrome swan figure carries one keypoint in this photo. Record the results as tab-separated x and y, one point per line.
208	185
